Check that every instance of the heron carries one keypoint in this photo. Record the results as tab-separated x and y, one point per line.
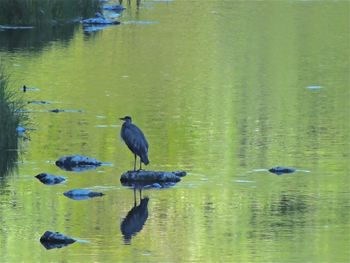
135	140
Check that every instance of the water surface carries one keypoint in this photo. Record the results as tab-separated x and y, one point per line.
220	88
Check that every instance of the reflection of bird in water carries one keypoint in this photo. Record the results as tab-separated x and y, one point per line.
134	220
135	140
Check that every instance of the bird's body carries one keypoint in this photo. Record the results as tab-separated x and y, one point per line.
135	140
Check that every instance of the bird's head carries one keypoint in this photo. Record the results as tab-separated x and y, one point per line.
126	118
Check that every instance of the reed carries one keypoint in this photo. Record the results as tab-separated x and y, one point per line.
10	118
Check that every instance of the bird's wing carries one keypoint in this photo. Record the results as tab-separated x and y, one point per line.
134	138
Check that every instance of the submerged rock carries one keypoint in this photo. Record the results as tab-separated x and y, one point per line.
281	170
55	240
82	194
77	163
50	179
150	177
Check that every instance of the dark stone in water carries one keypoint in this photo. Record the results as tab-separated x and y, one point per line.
77	163
50	179
52	240
281	170
82	194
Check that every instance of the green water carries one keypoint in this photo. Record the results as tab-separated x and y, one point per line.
220	90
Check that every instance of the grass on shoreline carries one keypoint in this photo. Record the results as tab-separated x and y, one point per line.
41	12
10	118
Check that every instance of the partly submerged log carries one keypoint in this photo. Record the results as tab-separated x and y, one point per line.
149	177
55	240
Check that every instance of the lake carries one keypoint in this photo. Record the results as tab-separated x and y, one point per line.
223	90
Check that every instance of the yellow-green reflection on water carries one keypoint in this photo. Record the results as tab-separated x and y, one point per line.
220	90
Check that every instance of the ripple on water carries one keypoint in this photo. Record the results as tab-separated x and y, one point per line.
244	181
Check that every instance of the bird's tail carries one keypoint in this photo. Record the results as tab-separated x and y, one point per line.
144	159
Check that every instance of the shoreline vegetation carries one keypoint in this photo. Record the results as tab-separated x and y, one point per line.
52	12
11	118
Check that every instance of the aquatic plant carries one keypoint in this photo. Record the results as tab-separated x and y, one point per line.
40	12
10	119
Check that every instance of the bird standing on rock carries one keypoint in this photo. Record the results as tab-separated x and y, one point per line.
135	140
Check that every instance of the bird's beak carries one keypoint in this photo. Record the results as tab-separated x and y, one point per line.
123	119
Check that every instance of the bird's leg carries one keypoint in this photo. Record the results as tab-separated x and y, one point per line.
135	163
140	194
134	196
140	165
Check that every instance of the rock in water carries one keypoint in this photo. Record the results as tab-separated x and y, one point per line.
281	170
77	163
82	194
151	177
55	240
50	179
